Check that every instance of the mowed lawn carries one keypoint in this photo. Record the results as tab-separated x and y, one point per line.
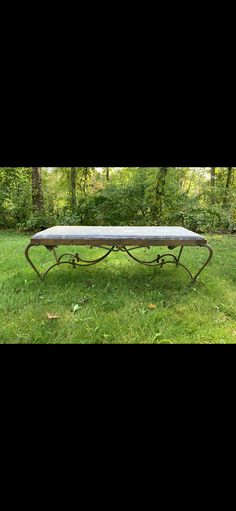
109	302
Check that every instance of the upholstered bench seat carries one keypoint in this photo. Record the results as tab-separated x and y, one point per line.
114	239
115	235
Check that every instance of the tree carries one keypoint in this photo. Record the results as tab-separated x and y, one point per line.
161	181
73	188
37	190
229	177
199	198
229	180
15	191
85	180
213	176
160	191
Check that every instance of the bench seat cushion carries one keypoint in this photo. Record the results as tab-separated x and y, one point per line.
132	236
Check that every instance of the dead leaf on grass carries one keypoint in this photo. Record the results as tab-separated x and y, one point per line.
152	306
52	316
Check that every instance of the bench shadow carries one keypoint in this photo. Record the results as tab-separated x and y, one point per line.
134	277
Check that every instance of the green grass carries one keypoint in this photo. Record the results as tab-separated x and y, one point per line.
113	298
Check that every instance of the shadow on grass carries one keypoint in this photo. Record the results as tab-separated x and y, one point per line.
135	278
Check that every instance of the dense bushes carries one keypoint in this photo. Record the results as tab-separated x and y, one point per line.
15	190
130	197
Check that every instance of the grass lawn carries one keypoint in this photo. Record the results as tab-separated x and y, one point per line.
108	303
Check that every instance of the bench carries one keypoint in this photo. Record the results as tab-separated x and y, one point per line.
114	239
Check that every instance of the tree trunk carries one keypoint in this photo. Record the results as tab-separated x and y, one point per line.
213	176
161	182
160	191
229	177
73	175
85	180
37	190
108	174
228	185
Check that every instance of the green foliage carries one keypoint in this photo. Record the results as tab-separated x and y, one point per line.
15	203
36	223
190	197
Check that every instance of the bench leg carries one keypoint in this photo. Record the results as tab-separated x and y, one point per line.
31	262
75	260
180	253
206	263
160	261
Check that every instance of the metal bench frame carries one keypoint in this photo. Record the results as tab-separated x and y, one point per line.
120	246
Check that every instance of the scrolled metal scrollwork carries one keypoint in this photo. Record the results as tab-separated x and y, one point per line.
76	260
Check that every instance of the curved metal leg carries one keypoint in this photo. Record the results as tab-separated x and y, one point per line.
180	253
76	260
160	261
55	254
31	263
206	263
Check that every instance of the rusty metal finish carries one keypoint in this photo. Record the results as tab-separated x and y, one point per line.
30	261
75	259
207	261
160	261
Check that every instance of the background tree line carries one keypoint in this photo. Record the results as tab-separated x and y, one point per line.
202	199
